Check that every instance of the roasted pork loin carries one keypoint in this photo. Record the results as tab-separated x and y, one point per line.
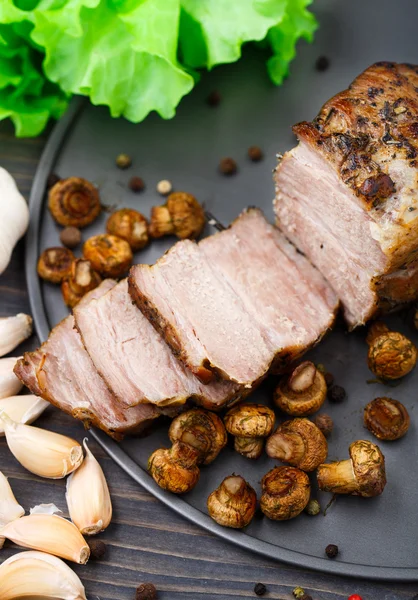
236	304
347	195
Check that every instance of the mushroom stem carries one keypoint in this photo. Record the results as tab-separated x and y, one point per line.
249	447
287	446
231	487
337	477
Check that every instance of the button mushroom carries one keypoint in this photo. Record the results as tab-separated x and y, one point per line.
109	255
181	215
386	418
285	493
303	392
363	474
131	226
202	430
298	442
233	503
54	264
74	202
391	355
175	469
82	279
250	424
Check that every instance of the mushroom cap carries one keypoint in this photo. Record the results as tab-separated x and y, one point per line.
187	215
250	420
110	255
130	225
175	469
391	355
300	443
369	468
303	403
233	503
55	264
386	418
201	429
285	493
74	202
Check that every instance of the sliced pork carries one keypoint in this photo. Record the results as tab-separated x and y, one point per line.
347	195
236	304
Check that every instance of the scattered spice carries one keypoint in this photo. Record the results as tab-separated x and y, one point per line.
97	549
331	550
228	166
123	161
136	184
324	423
164	187
214	98
322	63
70	237
255	153
313	508
146	591
51	180
298	592
260	589
329	379
336	394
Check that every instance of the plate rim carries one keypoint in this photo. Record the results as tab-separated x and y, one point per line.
115	452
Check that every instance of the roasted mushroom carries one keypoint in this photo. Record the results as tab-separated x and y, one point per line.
201	429
298	442
303	392
233	503
250	424
285	493
109	255
386	418
81	280
54	264
325	423
363	474
74	202
181	215
391	354
175	469
129	225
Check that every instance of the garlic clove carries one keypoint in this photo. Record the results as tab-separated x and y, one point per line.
9	383
44	509
52	579
14	216
90	512
13	331
42	452
22	409
10	509
49	533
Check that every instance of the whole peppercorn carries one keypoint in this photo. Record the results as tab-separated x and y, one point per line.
329	379
214	98
336	394
52	179
322	63
164	187
324	423
97	549
298	592
146	591
136	184
313	508
228	166
331	550
255	153
70	237
260	589
123	161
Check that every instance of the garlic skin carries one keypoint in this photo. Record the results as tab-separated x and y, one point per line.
42	452
22	409
13	331
88	496
52	579
14	217
9	383
49	533
10	509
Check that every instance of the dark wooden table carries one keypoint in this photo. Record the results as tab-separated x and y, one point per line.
147	541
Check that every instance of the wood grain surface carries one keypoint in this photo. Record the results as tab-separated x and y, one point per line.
146	541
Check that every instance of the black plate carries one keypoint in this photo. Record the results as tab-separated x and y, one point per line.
377	537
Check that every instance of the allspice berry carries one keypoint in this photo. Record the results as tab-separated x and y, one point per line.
255	153
146	591
70	237
136	184
331	550
214	98
260	589
228	166
324	423
123	161
97	549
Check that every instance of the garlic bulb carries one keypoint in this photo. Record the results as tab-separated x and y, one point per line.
9	383
10	509
23	409
42	452
13	331
91	512
14	217
48	533
52	579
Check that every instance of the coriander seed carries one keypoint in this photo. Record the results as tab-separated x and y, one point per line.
298	592
313	508
123	161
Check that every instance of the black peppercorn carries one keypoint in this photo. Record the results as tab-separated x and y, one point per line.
228	166
322	63
255	153
336	394
146	591
123	161
331	550
214	98
52	179
329	379
260	589
136	184
97	548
